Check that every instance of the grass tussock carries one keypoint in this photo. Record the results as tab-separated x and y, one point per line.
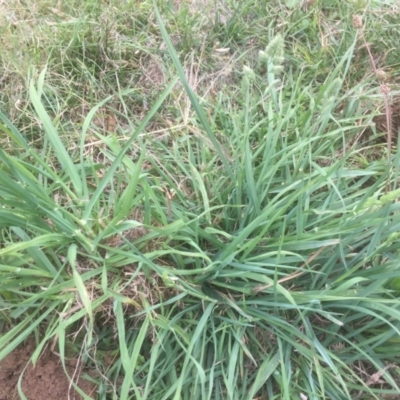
203	205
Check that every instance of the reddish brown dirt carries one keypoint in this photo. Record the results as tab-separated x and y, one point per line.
44	382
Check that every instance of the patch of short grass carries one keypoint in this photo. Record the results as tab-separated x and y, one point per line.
230	234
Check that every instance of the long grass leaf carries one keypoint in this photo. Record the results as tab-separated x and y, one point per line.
55	140
193	99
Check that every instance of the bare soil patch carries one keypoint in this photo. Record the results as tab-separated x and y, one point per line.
45	381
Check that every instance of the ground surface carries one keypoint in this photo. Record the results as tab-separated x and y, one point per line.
46	381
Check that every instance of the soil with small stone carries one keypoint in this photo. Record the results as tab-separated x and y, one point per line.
45	381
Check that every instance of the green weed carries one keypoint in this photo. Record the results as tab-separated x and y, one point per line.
238	245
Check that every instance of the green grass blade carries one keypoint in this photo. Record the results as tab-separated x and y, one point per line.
193	99
56	143
117	162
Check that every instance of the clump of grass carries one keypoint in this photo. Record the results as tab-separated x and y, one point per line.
253	256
